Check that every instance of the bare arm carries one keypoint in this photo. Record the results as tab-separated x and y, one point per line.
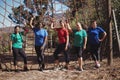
67	43
31	21
69	28
10	46
85	43
52	26
45	42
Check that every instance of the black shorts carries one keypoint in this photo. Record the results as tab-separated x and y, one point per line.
78	51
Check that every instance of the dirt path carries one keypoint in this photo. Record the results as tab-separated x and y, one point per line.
105	72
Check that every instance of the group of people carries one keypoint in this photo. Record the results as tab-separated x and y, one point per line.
81	38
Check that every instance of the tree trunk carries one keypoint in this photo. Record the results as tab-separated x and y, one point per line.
109	32
116	30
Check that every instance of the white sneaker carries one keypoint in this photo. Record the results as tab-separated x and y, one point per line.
97	65
56	68
79	69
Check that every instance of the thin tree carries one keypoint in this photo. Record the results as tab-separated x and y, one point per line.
109	32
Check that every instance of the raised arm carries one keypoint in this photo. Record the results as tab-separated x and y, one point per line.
52	25
31	21
68	27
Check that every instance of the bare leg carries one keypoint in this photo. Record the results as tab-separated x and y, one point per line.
97	64
80	62
25	67
67	65
56	62
16	68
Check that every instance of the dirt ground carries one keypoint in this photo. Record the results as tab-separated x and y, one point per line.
105	72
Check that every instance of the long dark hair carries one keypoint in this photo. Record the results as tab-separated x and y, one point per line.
17	26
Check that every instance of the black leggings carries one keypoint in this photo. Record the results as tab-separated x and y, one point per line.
61	48
40	55
94	50
21	52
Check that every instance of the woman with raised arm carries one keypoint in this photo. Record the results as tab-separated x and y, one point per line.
79	43
63	45
40	42
16	46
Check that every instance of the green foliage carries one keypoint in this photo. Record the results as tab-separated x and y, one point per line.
4	43
24	13
80	10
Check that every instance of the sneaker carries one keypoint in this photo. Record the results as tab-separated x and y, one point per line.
43	66
97	65
57	68
26	69
66	67
17	70
79	69
40	69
